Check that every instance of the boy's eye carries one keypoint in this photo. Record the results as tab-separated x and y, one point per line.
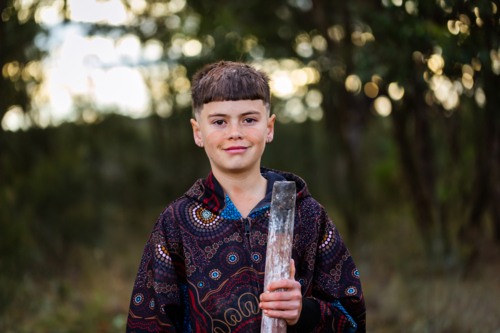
219	122
249	120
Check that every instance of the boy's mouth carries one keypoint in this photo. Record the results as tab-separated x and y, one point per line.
236	149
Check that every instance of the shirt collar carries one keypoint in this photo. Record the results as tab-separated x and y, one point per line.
231	212
210	193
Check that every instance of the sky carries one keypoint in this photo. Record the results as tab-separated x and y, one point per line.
102	71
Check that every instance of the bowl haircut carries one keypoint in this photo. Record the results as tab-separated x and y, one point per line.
229	81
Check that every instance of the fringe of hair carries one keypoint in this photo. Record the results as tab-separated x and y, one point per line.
229	81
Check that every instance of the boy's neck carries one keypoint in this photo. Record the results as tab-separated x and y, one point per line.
246	189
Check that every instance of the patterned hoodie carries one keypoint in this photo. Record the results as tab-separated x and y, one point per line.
202	269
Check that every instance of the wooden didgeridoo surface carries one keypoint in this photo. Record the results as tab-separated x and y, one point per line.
279	245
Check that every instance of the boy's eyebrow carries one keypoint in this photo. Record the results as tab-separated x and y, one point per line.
250	112
214	115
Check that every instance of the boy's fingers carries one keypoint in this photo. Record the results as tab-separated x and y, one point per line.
285	283
292	269
280	296
286	305
291	314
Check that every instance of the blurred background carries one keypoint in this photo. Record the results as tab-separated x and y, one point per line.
388	109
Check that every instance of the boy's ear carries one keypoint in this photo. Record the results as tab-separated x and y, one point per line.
270	128
196	133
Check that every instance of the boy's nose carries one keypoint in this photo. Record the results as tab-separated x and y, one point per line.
235	132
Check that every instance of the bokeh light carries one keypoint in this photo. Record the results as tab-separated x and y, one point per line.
153	50
183	99
192	48
173	22
111	12
175	6
371	89
182	84
138	6
315	113
436	63
353	84
15	119
290	78
319	43
290	81
395	91
164	108
377	80
124	88
304	49
314	98
336	33
383	106
453	27
282	85
299	77
296	110
476	64
463	24
303	45
445	91
411	7
467	81
495	61
480	97
49	14
129	47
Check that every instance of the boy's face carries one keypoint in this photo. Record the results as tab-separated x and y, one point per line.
233	133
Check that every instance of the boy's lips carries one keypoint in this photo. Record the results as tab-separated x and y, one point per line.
236	149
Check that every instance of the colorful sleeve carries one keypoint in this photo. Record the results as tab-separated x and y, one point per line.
157	303
336	284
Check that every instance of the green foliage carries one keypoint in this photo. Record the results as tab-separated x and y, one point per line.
17	46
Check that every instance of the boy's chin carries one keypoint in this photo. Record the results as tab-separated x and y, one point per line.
236	168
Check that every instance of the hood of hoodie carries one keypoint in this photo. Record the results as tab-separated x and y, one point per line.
209	192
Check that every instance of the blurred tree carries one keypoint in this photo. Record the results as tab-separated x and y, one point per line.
444	55
430	57
437	61
18	58
20	77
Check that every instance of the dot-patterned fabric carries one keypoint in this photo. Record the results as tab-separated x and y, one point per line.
200	272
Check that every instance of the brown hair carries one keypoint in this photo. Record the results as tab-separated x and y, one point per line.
229	81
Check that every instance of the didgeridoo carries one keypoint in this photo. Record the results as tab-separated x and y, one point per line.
279	245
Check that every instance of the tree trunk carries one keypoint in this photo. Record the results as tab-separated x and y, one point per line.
421	201
495	211
344	116
486	133
493	120
3	104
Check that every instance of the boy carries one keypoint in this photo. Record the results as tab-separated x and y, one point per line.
202	269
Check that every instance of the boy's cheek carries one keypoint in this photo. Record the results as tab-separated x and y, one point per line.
254	133
215	136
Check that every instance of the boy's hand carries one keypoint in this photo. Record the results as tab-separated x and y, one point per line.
283	304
